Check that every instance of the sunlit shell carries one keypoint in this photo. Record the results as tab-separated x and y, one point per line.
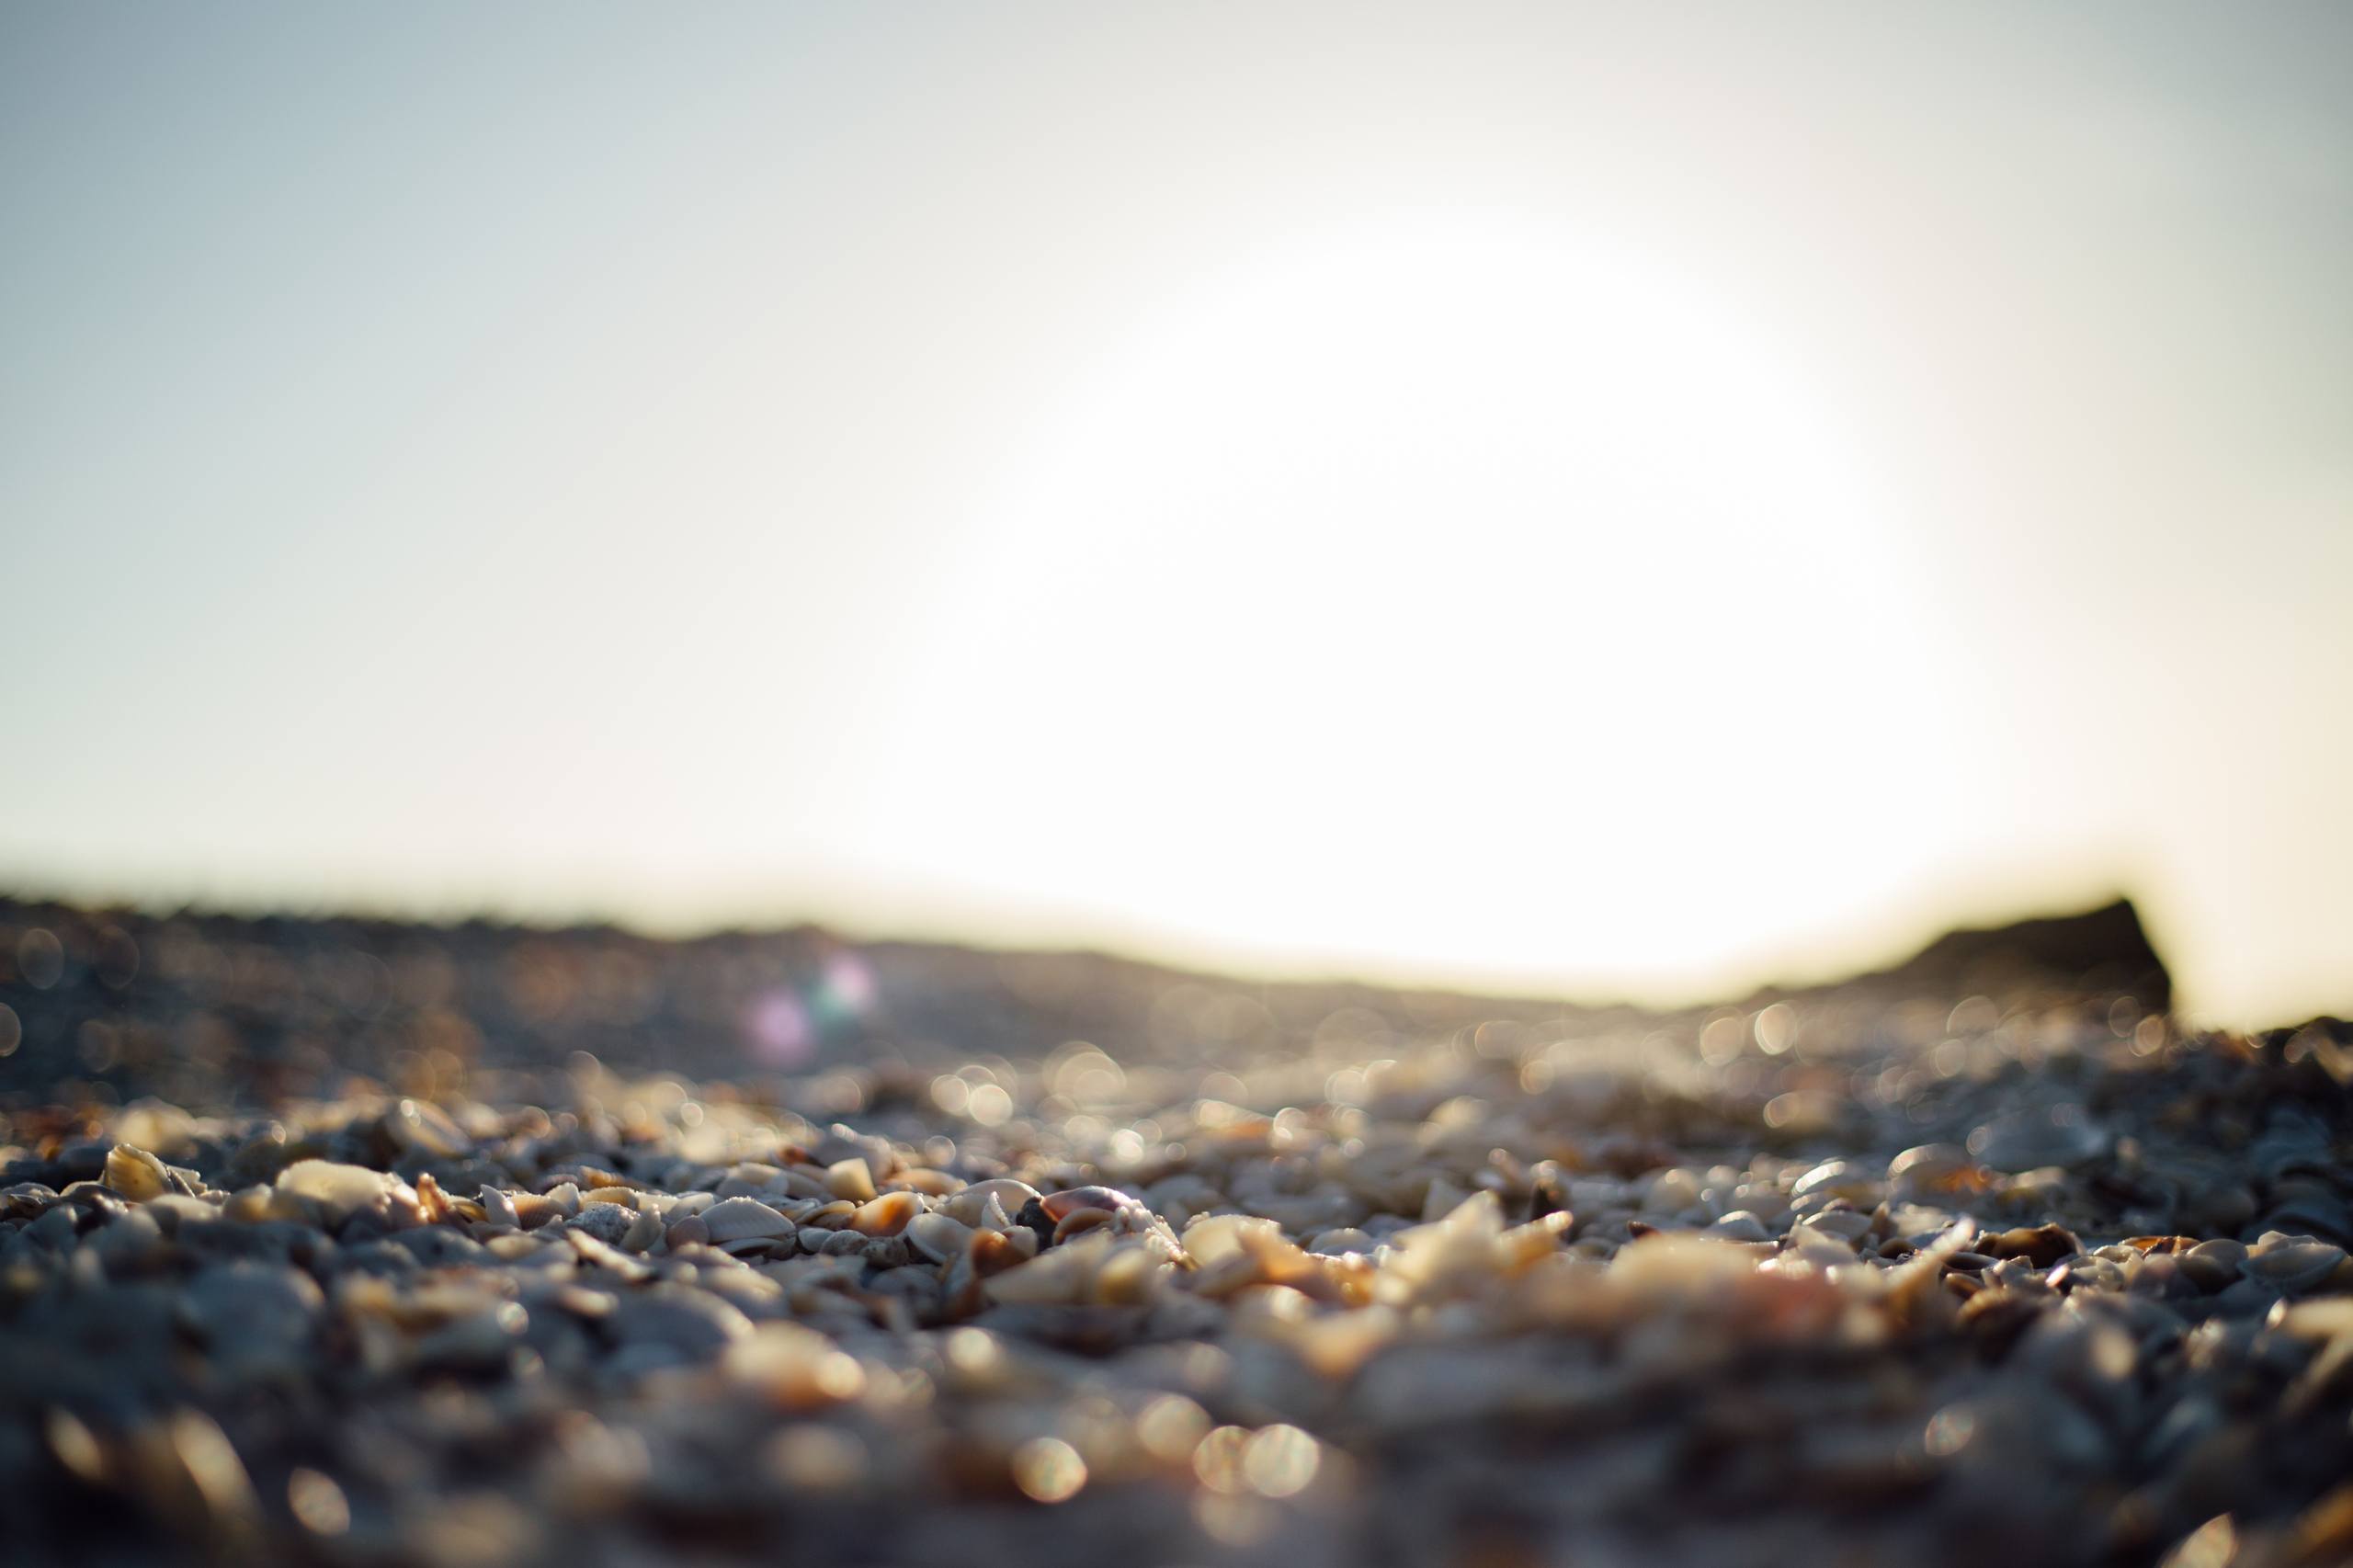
743	1218
1063	1276
135	1173
1061	1205
335	1191
886	1215
1076	1221
938	1237
1839	1179
990	1204
2293	1264
852	1179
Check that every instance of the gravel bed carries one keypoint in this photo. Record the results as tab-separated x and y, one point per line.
1862	1273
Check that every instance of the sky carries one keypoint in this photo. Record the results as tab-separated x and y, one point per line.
1623	501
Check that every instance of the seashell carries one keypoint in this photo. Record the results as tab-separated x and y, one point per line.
1078	1221
135	1173
2210	1266
1344	1242
1827	1248
1213	1238
336	1192
886	1215
424	1128
536	1209
1837	1178
1131	1275
1849	1225
433	1205
851	1179
2292	1264
761	1247
938	1237
1522	1244
1059	1205
988	1254
832	1216
2041	1246
248	1206
1062	1276
1740	1225
644	1230
594	1178
2160	1246
1936	1170
687	1232
1912	1284
743	1218
25	1200
990	1205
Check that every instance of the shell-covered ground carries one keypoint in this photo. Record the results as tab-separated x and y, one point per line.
347	1243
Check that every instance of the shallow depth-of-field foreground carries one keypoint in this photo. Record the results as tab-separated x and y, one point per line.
358	1242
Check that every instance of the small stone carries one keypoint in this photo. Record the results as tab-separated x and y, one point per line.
608	1222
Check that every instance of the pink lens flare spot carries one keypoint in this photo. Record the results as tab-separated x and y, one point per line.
777	1029
849	983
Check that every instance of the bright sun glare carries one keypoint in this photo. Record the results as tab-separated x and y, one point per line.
1443	591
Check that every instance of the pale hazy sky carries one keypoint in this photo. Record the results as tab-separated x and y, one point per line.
1631	498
